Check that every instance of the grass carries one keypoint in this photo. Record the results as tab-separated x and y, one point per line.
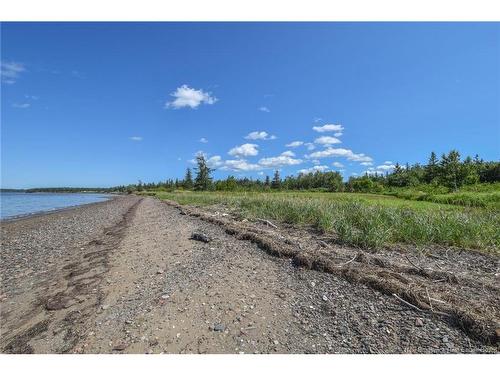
364	220
479	195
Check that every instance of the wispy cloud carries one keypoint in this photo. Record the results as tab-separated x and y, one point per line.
316	168
186	96
260	135
77	74
294	144
264	109
310	146
21	105
10	71
328	128
288	153
247	149
380	169
340	152
203	140
336	164
135	138
279	161
325	140
240	165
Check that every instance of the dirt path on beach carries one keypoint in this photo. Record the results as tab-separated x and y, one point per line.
143	285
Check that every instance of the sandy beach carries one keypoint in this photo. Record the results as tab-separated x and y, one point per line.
127	276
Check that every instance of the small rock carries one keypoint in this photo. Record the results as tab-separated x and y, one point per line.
128	322
219	327
200	237
105	307
159	272
325	298
419	322
165	296
120	346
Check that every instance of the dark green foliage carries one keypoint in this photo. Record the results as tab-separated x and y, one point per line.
276	184
449	172
188	180
203	180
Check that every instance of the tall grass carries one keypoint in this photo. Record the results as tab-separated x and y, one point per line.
367	223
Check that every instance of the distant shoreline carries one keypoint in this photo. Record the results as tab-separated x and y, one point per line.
55	210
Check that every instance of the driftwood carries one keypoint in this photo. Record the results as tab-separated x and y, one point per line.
352	260
267	222
406	302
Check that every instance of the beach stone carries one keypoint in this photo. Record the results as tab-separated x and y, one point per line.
419	322
219	327
200	237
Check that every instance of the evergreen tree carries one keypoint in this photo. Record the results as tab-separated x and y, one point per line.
203	180
139	186
432	168
267	183
188	180
276	184
452	174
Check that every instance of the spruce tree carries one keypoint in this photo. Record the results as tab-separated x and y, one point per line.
188	180
267	183
276	184
432	168
203	180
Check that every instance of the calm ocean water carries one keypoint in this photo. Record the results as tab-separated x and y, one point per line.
19	204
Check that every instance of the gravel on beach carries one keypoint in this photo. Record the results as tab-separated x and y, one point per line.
131	275
31	245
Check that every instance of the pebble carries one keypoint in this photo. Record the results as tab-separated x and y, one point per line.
219	327
419	322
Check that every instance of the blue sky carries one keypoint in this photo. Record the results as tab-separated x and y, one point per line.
103	104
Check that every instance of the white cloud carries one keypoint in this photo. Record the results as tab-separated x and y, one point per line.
328	128
337	164
10	71
366	163
380	169
260	136
320	168
288	153
338	134
247	149
188	97
317	119
385	167
325	140
135	138
388	162
215	162
316	162
264	109
203	140
279	161
240	165
21	105
340	152
310	146
294	144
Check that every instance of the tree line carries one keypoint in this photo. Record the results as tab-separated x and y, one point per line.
448	172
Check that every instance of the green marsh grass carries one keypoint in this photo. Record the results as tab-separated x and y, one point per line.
364	220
